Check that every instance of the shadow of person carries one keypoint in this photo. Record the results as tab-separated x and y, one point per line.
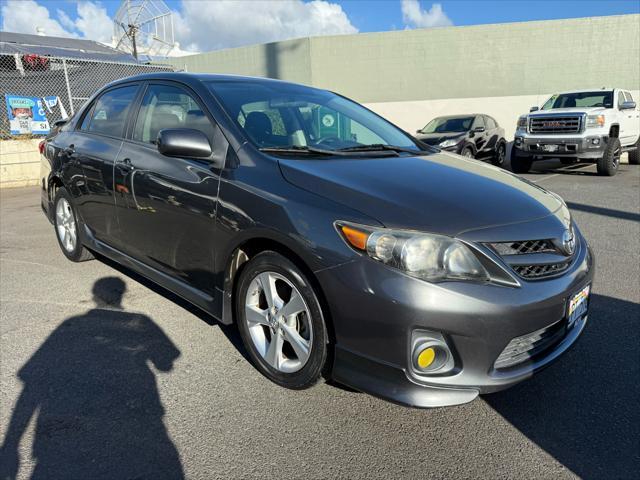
93	392
584	409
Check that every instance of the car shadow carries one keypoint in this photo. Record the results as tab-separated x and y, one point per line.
584	409
92	389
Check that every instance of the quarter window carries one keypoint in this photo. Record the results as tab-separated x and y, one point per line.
167	106
109	115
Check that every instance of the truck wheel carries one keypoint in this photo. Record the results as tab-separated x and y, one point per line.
634	155
608	164
519	164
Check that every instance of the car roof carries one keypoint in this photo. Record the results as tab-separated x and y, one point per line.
199	77
463	115
600	89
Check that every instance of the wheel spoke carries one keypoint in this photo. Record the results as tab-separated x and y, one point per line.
274	352
255	316
299	344
268	284
294	306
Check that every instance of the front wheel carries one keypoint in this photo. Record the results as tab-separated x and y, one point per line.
467	153
68	228
608	164
519	164
501	154
281	322
634	155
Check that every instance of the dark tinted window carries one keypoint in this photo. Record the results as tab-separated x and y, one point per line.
448	125
110	112
166	106
491	123
580	99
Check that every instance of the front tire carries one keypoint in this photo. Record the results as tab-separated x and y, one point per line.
607	165
501	154
67	228
281	322
467	153
519	164
634	155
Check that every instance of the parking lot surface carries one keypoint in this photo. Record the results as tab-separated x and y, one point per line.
153	389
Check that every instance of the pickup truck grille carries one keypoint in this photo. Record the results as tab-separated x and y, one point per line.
555	124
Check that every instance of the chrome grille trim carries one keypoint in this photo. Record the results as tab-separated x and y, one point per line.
533	259
553	124
527	246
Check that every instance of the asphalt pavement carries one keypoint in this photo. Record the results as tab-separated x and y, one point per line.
149	388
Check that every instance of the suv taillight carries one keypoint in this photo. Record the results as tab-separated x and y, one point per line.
41	147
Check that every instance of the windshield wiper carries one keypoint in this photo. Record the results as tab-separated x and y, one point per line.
298	149
376	147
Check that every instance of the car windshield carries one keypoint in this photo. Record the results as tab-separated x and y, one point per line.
448	125
282	116
580	99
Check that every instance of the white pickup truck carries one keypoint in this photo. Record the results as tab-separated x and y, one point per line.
585	125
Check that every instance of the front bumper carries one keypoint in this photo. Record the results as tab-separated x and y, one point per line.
376	309
588	147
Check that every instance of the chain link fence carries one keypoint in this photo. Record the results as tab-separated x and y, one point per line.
62	85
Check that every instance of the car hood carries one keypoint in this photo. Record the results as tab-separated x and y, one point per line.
437	138
439	193
567	110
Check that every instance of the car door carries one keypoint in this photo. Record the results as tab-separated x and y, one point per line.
479	137
165	205
491	134
629	122
93	147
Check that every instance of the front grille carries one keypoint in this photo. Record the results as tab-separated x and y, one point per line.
526	347
555	124
540	271
520	248
533	259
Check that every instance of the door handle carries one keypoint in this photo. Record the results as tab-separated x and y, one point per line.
125	165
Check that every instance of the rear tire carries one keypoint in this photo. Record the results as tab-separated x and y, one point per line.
519	164
67	228
289	349
634	155
608	164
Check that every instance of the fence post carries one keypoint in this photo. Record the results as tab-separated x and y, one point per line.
66	79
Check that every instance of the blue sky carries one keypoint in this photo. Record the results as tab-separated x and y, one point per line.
205	25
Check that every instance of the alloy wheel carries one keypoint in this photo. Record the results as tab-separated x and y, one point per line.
66	225
279	322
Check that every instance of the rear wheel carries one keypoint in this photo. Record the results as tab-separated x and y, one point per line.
519	164
634	155
68	228
281	322
501	154
608	164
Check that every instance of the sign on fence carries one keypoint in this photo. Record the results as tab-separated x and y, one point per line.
28	115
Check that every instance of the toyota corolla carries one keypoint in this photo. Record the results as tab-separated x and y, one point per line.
341	246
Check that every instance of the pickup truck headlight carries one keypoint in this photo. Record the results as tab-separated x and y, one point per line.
426	256
595	121
522	123
449	143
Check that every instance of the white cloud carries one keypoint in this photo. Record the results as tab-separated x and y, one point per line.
232	23
414	16
24	16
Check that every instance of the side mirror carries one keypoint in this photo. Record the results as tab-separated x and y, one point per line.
479	129
183	142
534	109
628	106
419	131
61	122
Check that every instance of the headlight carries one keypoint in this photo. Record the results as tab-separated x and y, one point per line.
522	123
595	121
423	255
449	143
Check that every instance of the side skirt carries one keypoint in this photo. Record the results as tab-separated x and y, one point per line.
207	303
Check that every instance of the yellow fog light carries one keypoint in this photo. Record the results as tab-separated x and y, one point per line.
426	357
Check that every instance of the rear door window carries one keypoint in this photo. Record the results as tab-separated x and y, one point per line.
109	115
